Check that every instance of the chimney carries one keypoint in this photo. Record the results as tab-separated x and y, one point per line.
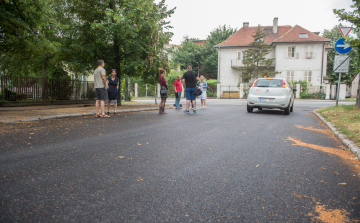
246	24
275	25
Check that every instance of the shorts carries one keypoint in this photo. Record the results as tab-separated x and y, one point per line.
101	94
113	101
190	94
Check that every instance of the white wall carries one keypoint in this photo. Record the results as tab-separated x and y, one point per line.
355	86
299	66
229	75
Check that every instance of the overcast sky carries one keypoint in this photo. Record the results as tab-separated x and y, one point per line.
196	18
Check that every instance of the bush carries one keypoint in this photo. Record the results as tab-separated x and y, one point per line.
13	96
317	95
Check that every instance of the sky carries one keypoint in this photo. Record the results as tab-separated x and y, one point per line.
197	18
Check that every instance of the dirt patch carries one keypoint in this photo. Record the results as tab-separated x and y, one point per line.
330	215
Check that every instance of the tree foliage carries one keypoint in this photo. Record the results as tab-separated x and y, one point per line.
56	37
334	34
188	53
256	63
209	56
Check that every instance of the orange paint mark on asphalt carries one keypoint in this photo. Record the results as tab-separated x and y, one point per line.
325	131
345	154
330	215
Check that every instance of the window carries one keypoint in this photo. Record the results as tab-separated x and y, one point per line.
243	59
269	83
308	52
239	55
303	35
293	52
290	76
307	76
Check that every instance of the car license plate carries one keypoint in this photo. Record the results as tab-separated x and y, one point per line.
267	99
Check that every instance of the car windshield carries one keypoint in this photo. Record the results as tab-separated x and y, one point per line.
268	83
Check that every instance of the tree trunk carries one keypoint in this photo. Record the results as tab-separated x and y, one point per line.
358	94
117	57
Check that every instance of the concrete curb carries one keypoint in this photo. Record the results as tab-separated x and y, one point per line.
347	142
72	115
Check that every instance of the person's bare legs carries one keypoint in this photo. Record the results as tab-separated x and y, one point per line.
204	103
115	107
102	107
97	107
163	100
187	105
194	104
109	106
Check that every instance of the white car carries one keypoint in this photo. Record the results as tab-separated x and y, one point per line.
271	93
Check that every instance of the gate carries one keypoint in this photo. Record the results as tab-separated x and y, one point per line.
229	91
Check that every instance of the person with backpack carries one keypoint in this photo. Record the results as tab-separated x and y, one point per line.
189	81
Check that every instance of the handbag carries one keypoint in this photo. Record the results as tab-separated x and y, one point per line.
197	91
163	90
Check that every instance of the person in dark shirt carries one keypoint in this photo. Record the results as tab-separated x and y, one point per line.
163	85
189	80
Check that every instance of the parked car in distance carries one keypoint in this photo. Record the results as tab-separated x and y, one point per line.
271	93
348	94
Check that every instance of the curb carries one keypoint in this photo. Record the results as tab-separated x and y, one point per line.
347	142
72	115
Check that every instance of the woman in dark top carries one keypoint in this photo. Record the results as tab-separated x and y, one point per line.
163	85
113	83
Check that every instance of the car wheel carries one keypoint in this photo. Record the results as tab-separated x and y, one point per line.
287	110
260	109
292	108
249	109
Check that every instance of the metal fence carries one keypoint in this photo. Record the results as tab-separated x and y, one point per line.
29	88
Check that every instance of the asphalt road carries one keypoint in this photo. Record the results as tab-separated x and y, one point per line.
219	165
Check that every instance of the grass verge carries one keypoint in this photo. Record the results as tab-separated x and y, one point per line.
350	99
345	118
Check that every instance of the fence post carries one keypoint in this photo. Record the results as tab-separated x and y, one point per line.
135	89
298	89
158	90
241	90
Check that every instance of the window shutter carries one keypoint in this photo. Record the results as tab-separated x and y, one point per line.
239	55
289	52
297	52
292	75
305	76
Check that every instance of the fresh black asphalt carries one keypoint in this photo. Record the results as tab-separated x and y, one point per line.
219	165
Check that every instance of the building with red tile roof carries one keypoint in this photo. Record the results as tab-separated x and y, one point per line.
299	54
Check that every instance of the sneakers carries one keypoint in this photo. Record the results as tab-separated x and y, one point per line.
194	111
186	112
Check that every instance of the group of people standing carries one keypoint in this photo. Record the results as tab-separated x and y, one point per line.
106	89
190	81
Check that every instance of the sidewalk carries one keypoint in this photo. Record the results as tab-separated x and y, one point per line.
36	113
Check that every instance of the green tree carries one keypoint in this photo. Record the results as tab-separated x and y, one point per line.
188	53
209	56
256	64
334	34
